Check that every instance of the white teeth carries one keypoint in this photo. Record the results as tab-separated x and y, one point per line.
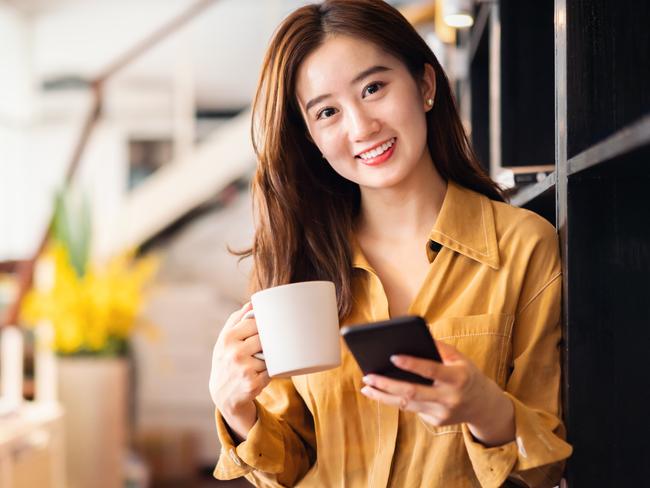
377	151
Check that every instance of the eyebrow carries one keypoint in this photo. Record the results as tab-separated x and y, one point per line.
365	73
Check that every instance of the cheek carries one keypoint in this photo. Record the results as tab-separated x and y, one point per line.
335	151
420	129
333	147
411	116
342	168
329	141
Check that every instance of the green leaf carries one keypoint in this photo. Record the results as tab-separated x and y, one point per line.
72	227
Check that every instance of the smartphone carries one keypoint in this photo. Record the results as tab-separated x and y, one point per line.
373	344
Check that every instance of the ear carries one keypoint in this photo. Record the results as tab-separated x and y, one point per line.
428	86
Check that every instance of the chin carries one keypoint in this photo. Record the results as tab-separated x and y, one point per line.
377	178
382	183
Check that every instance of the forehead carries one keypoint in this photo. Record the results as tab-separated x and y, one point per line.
336	62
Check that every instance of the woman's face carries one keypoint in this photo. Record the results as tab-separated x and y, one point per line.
365	112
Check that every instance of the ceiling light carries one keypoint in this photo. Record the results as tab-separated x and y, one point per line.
458	13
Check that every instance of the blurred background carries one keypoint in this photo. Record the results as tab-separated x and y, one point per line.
125	165
124	137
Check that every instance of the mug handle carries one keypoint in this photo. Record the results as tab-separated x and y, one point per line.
249	315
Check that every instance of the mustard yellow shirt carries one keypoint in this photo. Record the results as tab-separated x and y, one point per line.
493	292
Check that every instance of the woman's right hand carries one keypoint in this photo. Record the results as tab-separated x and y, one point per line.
237	377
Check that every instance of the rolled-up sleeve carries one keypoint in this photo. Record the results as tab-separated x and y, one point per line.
279	449
536	457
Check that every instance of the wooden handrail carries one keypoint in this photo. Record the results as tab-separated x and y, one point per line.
163	32
26	268
10	266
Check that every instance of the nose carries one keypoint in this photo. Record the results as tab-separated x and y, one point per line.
361	124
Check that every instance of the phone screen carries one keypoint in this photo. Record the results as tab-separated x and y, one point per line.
373	344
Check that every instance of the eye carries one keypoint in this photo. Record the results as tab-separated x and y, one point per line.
372	88
326	113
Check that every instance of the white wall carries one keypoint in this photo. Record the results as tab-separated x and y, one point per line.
16	86
225	43
38	130
81	38
16	113
33	163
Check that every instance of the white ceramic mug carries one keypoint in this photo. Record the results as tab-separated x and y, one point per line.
298	326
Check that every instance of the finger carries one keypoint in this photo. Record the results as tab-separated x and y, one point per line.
244	329
426	368
252	345
248	315
258	365
386	398
403	389
437	415
240	363
264	378
258	383
383	397
236	316
448	353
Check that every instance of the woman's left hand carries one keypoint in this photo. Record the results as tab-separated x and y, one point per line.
460	393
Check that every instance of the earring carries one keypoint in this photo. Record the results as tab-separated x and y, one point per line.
430	102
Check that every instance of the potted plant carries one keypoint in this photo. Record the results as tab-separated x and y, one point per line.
93	310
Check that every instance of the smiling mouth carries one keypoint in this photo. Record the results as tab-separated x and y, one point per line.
377	151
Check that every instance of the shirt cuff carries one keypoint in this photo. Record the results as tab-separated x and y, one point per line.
263	449
492	465
538	437
536	444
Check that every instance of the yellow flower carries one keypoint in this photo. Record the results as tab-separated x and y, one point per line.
94	313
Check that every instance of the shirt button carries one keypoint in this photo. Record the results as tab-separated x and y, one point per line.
235	457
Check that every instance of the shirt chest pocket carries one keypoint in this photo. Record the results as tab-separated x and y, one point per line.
485	339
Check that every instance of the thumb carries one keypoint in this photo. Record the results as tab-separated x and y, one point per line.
448	353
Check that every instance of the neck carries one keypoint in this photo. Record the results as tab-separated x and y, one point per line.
405	211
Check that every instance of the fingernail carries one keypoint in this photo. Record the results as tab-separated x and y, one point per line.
395	359
365	390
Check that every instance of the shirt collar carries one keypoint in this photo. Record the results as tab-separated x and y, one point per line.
465	224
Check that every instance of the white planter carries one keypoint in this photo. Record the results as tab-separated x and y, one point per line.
93	392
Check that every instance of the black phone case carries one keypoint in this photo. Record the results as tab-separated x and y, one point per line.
373	344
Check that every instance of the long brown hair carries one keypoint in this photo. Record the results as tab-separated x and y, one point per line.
305	211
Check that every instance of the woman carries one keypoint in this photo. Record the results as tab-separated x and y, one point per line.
366	178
